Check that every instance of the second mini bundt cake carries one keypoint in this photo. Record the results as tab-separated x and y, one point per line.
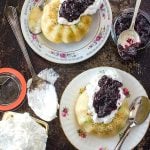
102	108
104	130
59	33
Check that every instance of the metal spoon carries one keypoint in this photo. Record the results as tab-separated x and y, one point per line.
139	111
34	18
11	15
130	34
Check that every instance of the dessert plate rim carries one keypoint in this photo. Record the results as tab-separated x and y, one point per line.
69	57
69	123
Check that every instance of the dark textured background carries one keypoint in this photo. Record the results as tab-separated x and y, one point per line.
11	56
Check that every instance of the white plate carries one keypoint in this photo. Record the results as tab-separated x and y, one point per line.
92	142
75	52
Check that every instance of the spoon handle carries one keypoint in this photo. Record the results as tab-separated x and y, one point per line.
123	137
12	17
138	2
40	3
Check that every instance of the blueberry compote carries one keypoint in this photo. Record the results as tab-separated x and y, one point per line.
105	100
129	52
72	9
142	26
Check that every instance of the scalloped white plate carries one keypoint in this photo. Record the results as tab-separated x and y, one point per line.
91	142
75	52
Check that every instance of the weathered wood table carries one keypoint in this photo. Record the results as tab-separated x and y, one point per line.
11	56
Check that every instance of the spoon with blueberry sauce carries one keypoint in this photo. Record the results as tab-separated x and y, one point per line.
129	40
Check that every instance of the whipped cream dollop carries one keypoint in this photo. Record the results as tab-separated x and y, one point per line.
22	132
66	13
93	87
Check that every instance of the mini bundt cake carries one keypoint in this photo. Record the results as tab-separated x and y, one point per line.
104	130
59	33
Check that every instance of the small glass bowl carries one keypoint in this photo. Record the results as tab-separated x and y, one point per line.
12	89
129	10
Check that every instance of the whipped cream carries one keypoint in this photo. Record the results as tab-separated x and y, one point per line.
21	132
89	11
93	87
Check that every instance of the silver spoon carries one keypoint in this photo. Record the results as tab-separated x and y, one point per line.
130	34
11	15
139	111
34	18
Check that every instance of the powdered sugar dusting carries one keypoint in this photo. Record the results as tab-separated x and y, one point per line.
43	100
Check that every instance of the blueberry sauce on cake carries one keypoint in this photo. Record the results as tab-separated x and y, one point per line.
71	10
106	96
105	100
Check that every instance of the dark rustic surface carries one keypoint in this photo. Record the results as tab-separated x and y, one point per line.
11	56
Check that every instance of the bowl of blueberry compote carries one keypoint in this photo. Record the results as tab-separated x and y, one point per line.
142	26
